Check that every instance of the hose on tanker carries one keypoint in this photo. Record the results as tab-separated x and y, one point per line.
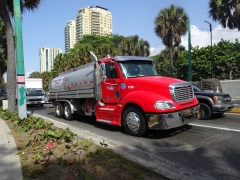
97	85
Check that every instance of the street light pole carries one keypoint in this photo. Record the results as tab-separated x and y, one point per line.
189	50
210	26
21	95
189	54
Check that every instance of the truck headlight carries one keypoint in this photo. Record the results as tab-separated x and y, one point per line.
218	99
163	105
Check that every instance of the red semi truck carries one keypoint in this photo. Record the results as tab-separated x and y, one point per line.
124	91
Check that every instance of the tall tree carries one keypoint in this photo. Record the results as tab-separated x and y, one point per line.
134	46
3	50
227	12
46	78
6	13
35	74
170	25
116	39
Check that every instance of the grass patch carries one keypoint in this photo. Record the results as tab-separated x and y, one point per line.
47	152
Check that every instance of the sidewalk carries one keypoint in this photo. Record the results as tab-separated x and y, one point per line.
10	165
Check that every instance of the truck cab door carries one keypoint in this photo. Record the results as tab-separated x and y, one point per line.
111	85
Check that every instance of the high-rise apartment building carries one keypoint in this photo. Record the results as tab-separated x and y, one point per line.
93	20
47	56
70	35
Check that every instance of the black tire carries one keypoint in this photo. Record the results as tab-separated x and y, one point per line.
58	110
205	111
67	112
134	122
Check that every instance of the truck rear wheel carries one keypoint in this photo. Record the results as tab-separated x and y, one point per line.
67	112
205	111
58	110
134	121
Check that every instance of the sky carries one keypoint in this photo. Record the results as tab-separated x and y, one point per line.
44	27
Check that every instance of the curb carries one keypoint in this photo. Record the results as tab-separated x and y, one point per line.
235	110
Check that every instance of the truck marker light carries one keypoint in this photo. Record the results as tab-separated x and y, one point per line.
56	96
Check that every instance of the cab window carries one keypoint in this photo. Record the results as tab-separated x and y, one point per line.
111	71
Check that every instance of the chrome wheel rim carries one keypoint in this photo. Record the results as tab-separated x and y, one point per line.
57	109
66	111
133	121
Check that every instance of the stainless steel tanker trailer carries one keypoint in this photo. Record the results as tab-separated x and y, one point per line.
73	90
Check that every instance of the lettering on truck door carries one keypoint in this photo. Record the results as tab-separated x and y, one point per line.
111	87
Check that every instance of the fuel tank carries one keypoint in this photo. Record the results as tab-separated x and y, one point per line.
79	78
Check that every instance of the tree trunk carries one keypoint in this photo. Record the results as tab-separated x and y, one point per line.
171	61
11	64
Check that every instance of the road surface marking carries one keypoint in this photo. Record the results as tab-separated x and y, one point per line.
226	129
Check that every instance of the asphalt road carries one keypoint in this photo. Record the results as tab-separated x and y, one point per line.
211	147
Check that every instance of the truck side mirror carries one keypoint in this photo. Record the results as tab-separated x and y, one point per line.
103	72
102	69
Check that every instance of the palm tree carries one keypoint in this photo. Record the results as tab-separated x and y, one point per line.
134	46
58	63
227	12
6	13
170	25
83	51
105	49
46	78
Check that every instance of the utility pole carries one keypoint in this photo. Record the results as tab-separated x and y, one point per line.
21	94
210	25
189	53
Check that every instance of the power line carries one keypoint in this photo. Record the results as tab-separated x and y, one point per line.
157	44
217	30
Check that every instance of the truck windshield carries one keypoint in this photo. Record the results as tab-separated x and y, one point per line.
34	92
137	68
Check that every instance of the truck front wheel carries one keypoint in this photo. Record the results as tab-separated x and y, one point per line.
58	110
134	121
67	112
205	111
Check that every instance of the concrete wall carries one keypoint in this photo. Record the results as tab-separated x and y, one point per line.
231	87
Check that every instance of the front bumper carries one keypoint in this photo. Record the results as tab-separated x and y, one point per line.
221	108
172	120
35	102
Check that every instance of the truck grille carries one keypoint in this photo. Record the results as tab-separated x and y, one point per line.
181	92
227	99
34	99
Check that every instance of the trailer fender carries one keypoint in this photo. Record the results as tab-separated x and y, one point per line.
75	105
